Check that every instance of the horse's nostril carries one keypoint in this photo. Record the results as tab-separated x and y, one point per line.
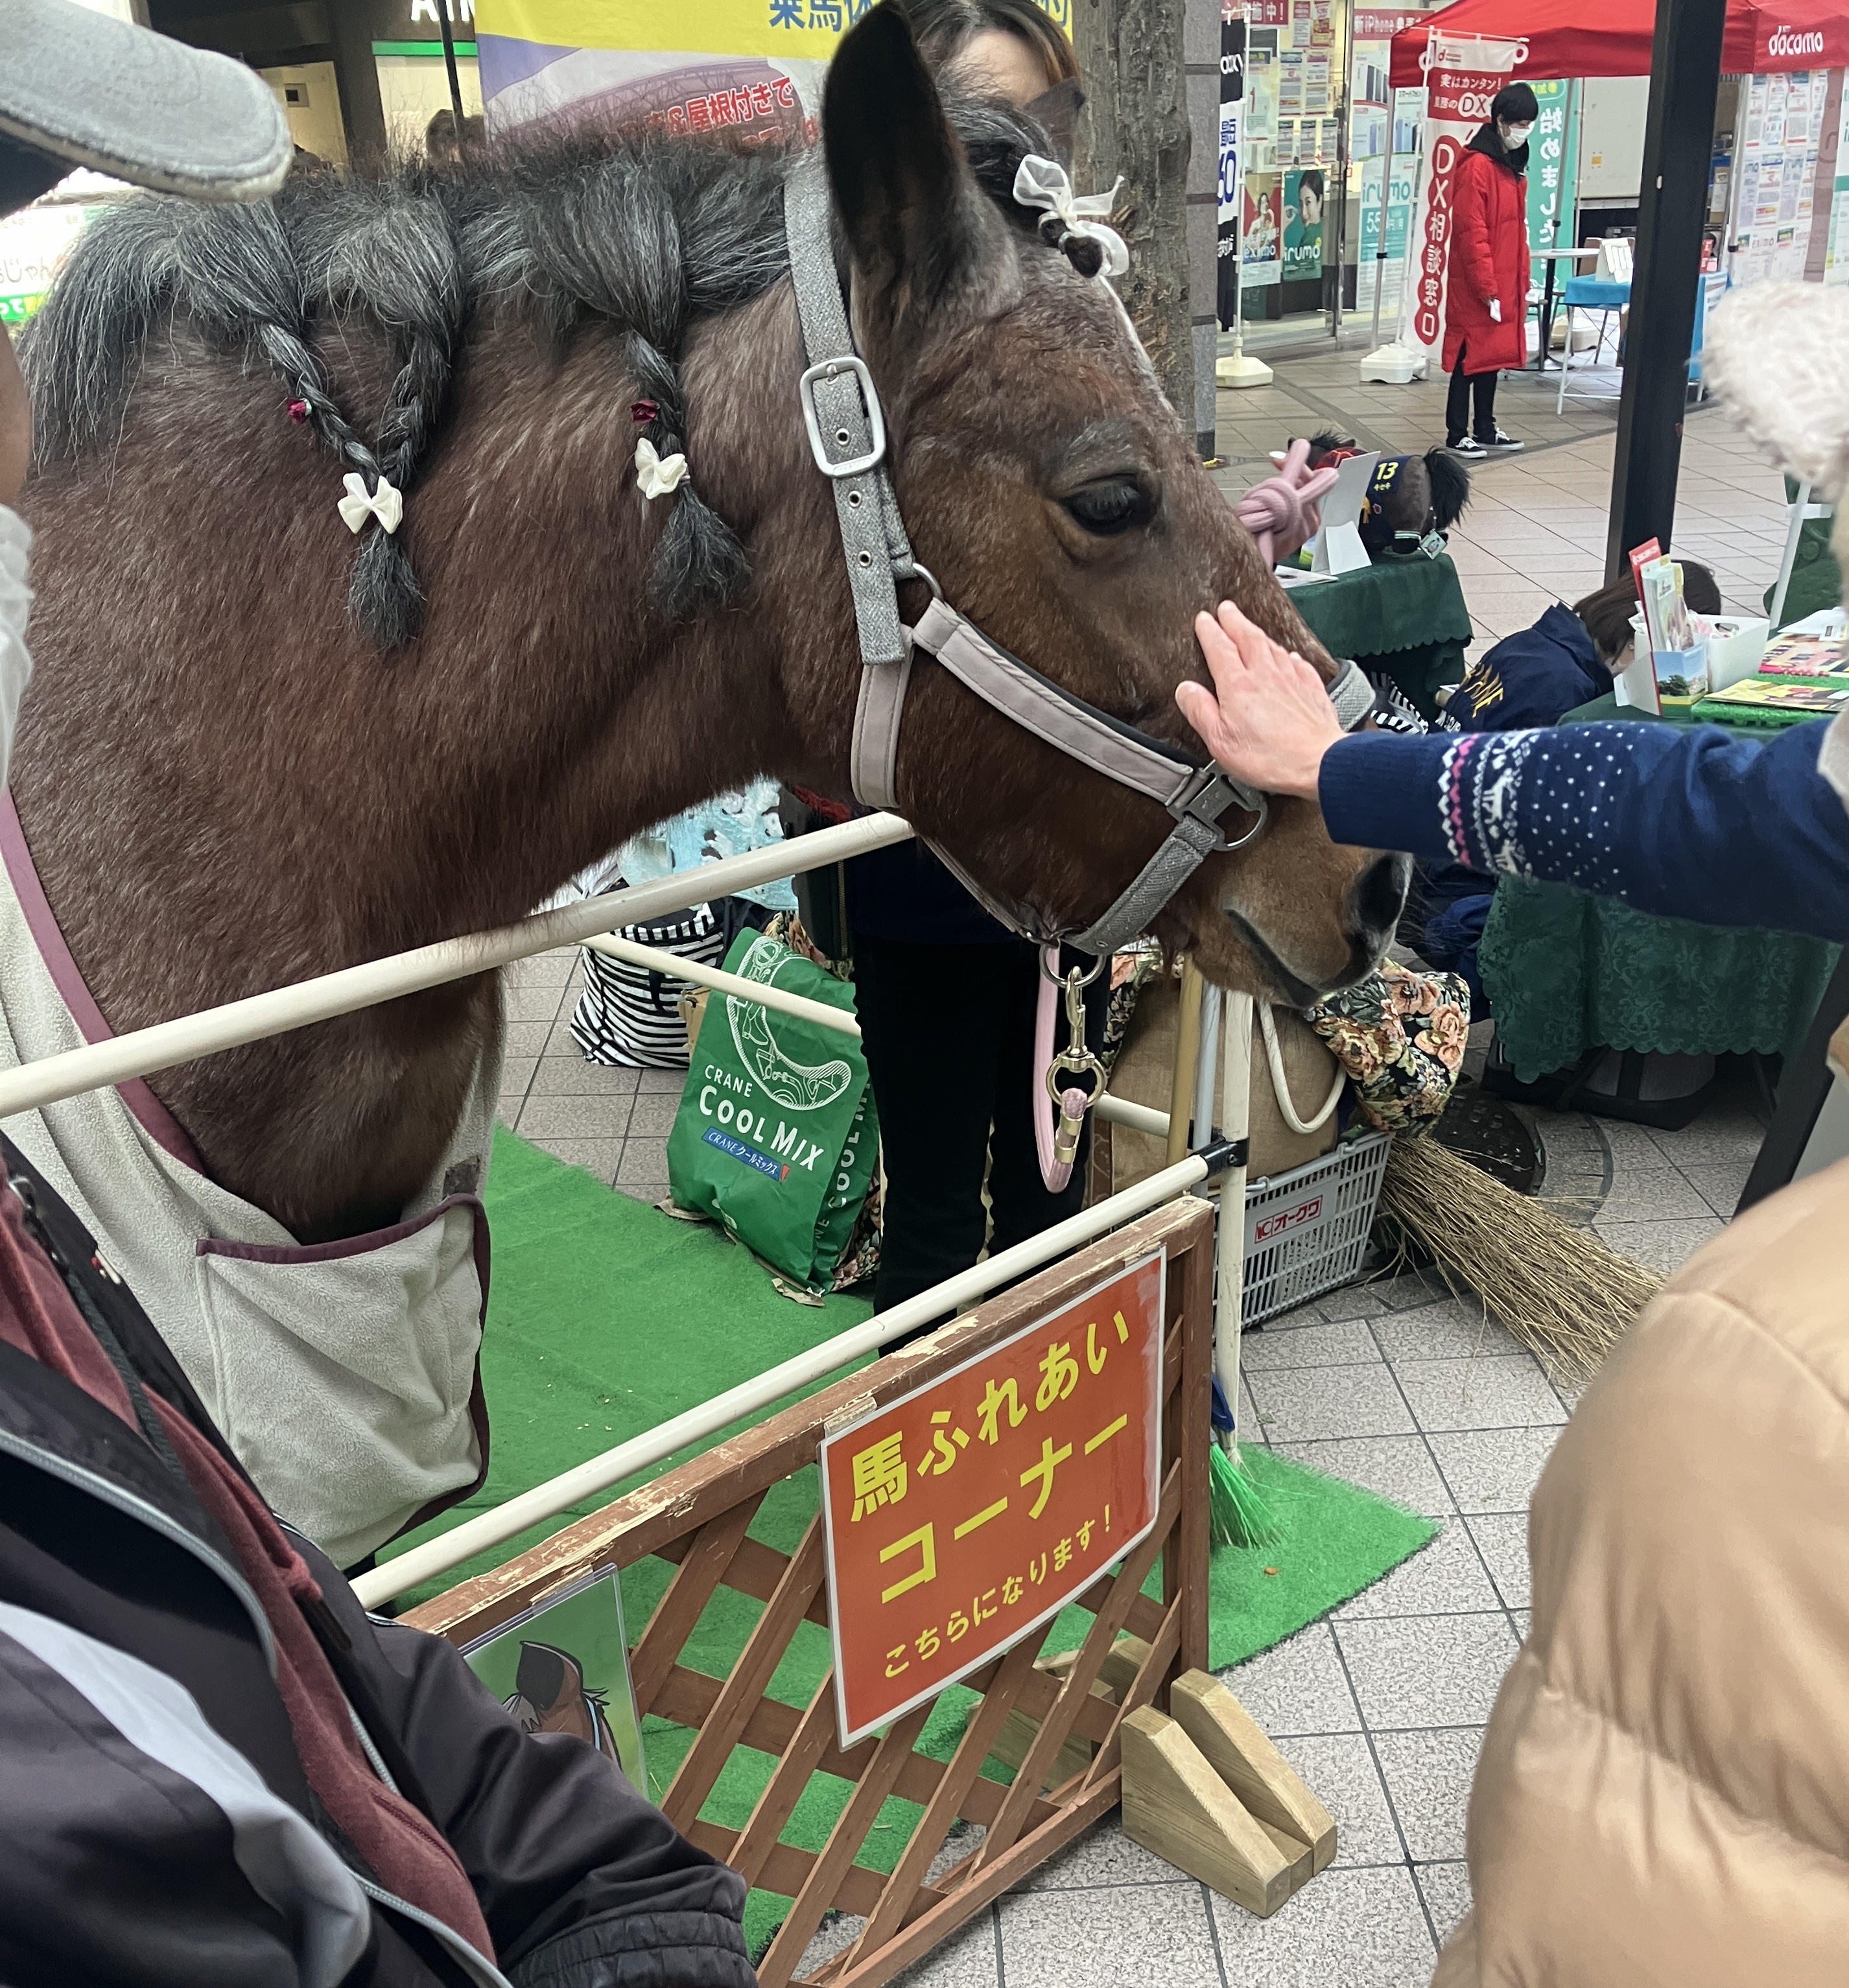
1380	895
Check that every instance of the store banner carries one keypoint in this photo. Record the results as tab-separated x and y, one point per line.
697	65
1462	77
1551	152
1261	259
1408	119
1232	75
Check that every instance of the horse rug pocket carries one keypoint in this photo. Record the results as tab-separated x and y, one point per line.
372	1342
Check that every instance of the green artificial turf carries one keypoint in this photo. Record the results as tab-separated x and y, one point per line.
606	1317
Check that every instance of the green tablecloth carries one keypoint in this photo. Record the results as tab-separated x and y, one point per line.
1405	618
1568	972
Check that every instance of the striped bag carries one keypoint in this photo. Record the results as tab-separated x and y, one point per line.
631	1014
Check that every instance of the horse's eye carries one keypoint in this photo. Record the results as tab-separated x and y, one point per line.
1107	508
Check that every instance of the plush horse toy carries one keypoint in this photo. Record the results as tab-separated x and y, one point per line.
1409	496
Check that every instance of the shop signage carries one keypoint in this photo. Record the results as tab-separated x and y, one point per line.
964	1517
1458	101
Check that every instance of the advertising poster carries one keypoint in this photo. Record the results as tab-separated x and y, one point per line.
33	245
1263	244
1836	253
1404	166
1774	183
1462	81
1305	193
1232	75
699	65
1551	154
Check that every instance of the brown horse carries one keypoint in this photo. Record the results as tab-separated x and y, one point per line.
228	783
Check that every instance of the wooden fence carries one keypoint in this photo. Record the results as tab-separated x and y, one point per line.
699	1517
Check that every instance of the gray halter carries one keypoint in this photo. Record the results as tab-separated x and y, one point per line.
847	436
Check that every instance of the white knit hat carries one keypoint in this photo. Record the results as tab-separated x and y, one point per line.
1778	356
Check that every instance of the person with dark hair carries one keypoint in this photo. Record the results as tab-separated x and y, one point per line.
1567	658
1486	299
1010	48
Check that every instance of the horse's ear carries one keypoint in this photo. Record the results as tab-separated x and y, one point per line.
901	184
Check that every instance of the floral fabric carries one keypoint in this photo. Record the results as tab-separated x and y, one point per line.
1400	1036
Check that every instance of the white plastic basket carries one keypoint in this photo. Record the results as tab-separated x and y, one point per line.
1306	1230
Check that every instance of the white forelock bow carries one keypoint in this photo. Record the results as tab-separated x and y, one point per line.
656	475
1043	183
387	504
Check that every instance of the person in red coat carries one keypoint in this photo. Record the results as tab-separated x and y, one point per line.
1485	302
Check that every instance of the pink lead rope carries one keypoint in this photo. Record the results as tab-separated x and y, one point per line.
1073	1102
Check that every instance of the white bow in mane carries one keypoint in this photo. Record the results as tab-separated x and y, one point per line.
657	475
387	504
1043	183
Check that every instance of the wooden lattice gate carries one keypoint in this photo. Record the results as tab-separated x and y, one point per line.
699	1516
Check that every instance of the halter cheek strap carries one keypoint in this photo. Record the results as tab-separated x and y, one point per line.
847	432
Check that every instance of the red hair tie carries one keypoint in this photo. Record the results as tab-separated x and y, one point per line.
643	412
297	411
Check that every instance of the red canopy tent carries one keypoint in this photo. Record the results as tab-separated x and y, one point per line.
1567	38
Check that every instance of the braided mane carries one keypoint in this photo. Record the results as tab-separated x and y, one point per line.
646	233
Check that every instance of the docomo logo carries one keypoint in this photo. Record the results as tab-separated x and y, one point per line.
1784	42
1485	55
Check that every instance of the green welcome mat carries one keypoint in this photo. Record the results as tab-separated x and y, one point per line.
606	1317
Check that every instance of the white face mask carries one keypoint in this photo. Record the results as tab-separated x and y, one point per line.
1516	134
15	606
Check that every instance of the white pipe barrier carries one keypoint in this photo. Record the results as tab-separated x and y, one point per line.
143	1051
546	1501
671	964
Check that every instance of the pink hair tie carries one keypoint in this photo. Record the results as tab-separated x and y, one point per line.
1282	513
297	411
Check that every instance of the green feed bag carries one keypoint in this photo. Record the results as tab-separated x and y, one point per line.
776	1135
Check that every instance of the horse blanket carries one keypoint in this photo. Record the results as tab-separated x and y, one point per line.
345	1375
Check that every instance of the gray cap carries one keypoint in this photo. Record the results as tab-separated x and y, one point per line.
85	89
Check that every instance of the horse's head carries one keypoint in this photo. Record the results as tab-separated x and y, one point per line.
1049	486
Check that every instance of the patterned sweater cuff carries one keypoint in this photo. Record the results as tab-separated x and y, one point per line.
1381	790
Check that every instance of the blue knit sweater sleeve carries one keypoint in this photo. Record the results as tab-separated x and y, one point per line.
1703	824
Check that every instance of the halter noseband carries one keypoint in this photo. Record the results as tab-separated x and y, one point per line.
847	436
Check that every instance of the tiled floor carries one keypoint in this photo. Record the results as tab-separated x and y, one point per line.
1394	1386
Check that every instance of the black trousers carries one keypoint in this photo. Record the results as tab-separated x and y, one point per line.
1464	386
948	1034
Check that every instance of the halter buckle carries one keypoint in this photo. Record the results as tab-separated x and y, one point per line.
850	365
1208	796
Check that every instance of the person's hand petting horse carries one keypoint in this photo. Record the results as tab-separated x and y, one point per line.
1267	719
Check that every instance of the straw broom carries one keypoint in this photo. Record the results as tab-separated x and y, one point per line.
1563	1294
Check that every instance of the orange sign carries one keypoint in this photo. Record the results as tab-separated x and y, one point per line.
965	1516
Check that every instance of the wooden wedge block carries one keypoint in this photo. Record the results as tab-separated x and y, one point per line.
1020	1731
1127	1657
1176	1805
1239	1753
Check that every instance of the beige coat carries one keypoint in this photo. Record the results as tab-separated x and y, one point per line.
1664	1792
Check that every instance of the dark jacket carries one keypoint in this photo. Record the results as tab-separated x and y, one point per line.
151	1837
1531	678
1489	257
904	892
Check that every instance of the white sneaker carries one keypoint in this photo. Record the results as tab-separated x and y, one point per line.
1468	450
1503	445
